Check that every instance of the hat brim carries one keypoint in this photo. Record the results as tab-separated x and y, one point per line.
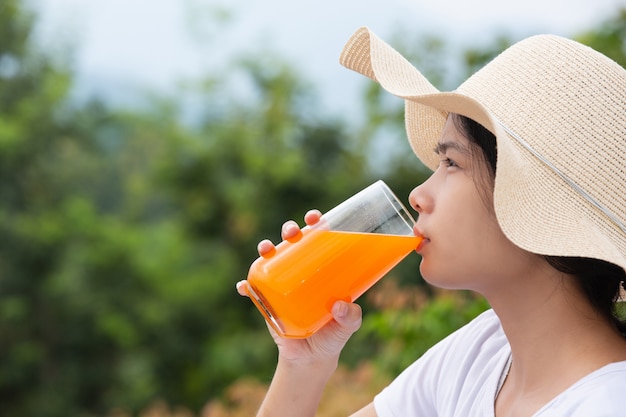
557	225
426	107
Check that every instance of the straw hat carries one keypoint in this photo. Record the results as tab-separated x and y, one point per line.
558	111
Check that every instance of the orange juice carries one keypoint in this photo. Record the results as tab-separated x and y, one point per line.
296	287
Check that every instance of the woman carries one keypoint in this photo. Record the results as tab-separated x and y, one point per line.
527	206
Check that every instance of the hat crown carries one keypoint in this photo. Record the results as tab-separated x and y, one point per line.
568	102
547	84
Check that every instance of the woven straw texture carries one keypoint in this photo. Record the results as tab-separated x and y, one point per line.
566	101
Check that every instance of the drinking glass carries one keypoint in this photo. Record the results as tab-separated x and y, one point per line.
339	258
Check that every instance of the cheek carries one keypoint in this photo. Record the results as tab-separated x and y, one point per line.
450	262
444	274
460	247
482	256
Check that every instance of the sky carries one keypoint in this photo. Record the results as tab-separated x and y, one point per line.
134	45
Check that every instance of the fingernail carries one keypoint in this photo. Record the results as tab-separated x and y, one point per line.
340	309
294	234
241	288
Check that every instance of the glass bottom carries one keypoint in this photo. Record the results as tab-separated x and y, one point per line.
266	311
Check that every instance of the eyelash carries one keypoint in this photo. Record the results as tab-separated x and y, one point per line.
449	163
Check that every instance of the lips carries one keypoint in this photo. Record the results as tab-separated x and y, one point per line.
419	247
423	241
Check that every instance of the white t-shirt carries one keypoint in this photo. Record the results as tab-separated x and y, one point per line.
461	374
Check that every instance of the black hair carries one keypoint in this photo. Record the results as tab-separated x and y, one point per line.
599	280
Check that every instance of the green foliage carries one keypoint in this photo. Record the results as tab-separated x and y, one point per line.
123	233
476	58
609	38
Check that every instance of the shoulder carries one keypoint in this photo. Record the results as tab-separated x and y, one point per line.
479	345
438	381
482	337
484	326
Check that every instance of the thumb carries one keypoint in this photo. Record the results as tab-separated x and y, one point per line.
331	339
348	316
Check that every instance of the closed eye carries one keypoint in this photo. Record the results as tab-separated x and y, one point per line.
449	163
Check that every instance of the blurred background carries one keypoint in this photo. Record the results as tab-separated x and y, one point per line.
147	146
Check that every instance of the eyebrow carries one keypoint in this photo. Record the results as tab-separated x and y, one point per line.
442	147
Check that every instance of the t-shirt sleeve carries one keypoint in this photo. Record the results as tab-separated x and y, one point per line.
413	392
436	384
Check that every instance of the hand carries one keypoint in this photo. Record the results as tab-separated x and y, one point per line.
327	343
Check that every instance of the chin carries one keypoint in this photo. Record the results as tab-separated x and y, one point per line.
439	279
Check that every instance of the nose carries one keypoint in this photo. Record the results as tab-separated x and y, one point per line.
420	199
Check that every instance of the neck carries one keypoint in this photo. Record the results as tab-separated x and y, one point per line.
553	329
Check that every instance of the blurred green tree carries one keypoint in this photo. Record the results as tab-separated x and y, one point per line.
123	232
609	38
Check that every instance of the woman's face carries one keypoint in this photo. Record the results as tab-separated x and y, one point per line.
464	247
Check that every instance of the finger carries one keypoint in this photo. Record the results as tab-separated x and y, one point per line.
312	216
242	288
348	315
347	320
291	231
273	333
266	248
